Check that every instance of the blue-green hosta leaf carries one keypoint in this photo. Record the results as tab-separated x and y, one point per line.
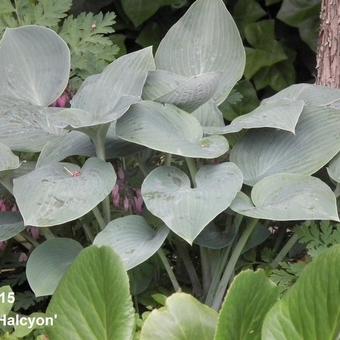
61	192
167	128
313	95
8	160
282	114
25	127
204	40
188	93
185	210
209	116
105	97
132	239
288	197
11	224
310	310
182	317
249	298
48	264
93	299
261	153
34	65
333	168
73	143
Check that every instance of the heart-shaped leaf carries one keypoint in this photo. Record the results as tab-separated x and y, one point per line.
249	299
167	128
205	39
93	299
105	97
186	211
261	153
282	114
62	192
25	127
34	64
183	317
188	93
73	143
310	310
49	262
132	239
8	160
11	224
287	197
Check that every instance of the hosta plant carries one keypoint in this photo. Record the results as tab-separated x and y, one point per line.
158	117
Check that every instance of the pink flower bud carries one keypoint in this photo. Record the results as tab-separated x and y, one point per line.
126	204
23	257
34	232
63	101
121	174
116	196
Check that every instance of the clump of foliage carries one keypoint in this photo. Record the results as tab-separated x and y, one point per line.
139	179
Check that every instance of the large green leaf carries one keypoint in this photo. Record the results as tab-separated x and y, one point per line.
93	300
132	239
285	197
262	153
62	192
34	65
8	160
105	97
183	317
11	224
185	210
249	299
310	310
48	264
25	127
167	128
282	114
204	40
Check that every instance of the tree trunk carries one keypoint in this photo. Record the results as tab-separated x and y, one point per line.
328	58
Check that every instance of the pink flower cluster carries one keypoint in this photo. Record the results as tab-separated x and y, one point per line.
126	198
63	100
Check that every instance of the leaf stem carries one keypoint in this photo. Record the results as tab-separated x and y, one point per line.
192	169
48	234
97	214
169	270
229	270
284	251
168	159
88	232
98	136
185	257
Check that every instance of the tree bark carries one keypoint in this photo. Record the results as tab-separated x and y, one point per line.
328	58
